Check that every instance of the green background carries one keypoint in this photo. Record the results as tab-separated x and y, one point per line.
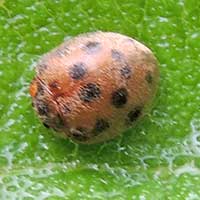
157	159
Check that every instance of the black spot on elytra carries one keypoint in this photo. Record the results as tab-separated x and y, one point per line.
117	55
92	47
125	71
134	114
42	108
54	85
79	134
100	126
119	97
78	71
89	92
149	77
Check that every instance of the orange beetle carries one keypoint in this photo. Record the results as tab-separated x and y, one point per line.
94	86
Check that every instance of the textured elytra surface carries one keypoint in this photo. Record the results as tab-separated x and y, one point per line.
159	159
100	88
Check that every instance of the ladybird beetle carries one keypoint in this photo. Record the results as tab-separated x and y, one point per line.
94	86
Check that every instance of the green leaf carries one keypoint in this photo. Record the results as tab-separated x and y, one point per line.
157	159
